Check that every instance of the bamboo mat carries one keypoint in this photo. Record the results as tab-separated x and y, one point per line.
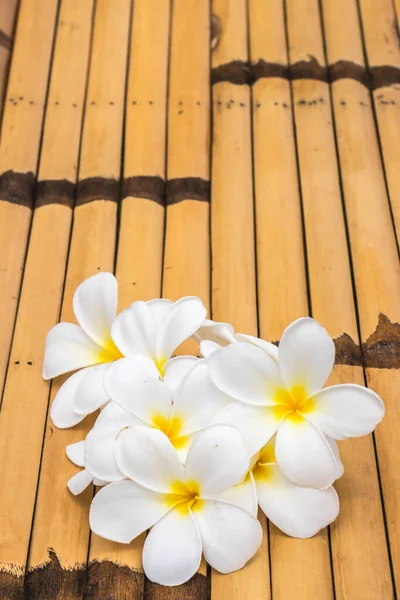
245	151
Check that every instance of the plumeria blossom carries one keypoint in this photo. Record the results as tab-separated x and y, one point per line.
180	405
285	398
155	328
297	511
180	504
213	335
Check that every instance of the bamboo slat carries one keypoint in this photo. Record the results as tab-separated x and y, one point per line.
8	12
332	304
376	271
26	393
59	545
381	39
186	269
117	568
22	120
232	230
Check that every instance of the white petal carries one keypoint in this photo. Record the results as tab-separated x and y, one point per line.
95	306
348	410
62	410
90	394
230	535
79	482
122	510
269	348
246	373
100	441
159	309
207	347
176	369
147	456
257	424
304	454
133	330
135	384
75	453
298	511
99	482
334	447
217	332
306	355
69	348
198	399
183	319
172	551
217	459
243	495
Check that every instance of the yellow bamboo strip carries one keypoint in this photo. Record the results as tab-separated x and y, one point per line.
186	269
140	246
26	394
19	149
232	228
381	34
332	303
376	270
61	520
187	254
8	11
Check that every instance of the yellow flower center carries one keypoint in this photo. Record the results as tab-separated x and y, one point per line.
262	463
292	402
184	496
108	352
171	428
160	363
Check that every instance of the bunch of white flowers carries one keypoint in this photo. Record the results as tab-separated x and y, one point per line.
188	447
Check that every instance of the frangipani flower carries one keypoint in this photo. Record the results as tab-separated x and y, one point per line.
81	480
297	511
155	328
180	503
213	335
286	398
141	397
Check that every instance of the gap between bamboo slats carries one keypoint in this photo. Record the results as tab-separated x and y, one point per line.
116	569
332	304
19	151
233	243
186	268
376	272
382	46
25	397
60	534
8	16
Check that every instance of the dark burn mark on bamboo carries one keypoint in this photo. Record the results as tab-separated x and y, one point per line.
55	191
143	186
11	586
195	589
243	73
51	581
215	32
345	69
108	581
5	40
97	188
187	188
384	76
347	351
382	349
17	188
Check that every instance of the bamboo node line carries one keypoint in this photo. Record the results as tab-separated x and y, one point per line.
55	191
17	188
97	188
145	186
382	348
187	188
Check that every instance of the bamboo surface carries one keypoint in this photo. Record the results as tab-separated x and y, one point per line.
245	151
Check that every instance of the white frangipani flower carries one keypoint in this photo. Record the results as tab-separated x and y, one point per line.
179	503
214	335
141	397
297	511
155	328
286	398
